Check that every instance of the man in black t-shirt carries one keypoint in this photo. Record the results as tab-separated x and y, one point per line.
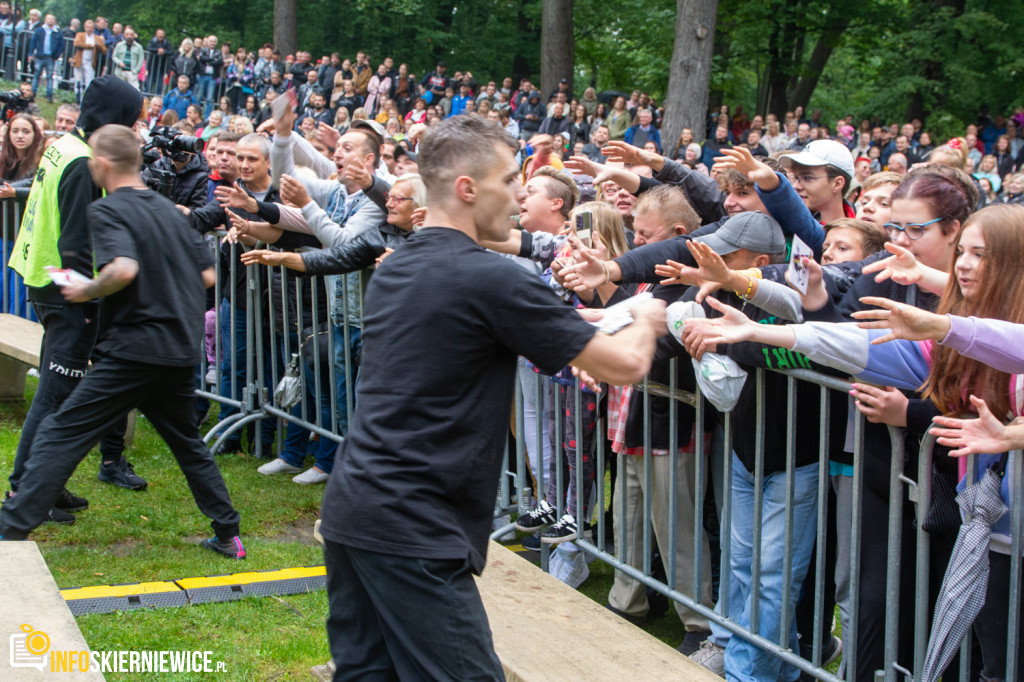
153	269
408	508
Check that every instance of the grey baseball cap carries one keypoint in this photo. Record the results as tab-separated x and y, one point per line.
750	230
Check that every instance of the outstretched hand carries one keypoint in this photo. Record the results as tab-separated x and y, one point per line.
901	267
618	151
233	196
589	271
582	165
294	192
263	257
984	435
904	321
703	335
740	159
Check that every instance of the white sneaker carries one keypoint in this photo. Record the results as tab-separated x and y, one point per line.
711	656
211	376
310	476
278	466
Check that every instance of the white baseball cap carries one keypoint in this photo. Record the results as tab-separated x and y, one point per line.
822	153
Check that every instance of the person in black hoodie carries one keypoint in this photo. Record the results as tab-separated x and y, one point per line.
529	115
190	175
54	233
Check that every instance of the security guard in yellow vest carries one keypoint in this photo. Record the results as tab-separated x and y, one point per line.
54	233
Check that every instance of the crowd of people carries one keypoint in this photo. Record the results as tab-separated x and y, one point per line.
329	186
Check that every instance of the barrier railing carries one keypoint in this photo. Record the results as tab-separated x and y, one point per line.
270	320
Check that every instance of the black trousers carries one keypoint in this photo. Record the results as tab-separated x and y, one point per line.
103	398
68	339
402	618
992	625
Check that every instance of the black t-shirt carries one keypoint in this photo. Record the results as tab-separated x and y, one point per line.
445	320
158	318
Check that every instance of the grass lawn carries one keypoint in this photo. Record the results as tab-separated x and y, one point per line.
129	537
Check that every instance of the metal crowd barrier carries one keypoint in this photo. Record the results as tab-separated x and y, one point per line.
279	309
14	295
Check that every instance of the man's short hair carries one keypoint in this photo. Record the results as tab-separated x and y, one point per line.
669	206
559	185
263	143
227	136
872	237
882	178
460	145
119	146
69	107
185	127
370	142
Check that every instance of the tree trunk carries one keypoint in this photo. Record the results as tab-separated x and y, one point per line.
285	37
816	64
690	71
557	46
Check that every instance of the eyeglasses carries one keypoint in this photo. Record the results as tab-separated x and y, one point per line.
912	230
804	178
388	196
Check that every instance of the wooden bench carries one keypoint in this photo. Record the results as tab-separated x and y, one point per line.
20	343
529	610
31	598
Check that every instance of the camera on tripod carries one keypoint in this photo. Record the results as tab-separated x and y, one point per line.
173	144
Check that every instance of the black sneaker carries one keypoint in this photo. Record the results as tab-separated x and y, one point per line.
122	474
542	515
232	548
692	641
59	516
228	447
563	531
532	543
69	502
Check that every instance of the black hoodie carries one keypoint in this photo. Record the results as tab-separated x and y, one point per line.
107	100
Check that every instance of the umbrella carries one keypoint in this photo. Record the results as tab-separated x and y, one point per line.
966	581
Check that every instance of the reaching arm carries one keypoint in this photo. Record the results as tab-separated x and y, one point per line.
625	357
114	276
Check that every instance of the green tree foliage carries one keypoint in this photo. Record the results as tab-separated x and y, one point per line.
937	59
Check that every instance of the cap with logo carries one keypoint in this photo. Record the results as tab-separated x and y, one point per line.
750	230
821	153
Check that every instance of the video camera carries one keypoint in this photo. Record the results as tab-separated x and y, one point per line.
173	143
170	142
14	103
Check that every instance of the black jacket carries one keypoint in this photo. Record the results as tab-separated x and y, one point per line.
359	253
189	188
212	58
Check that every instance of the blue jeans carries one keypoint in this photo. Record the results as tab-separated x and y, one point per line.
206	89
743	660
43	64
355	346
